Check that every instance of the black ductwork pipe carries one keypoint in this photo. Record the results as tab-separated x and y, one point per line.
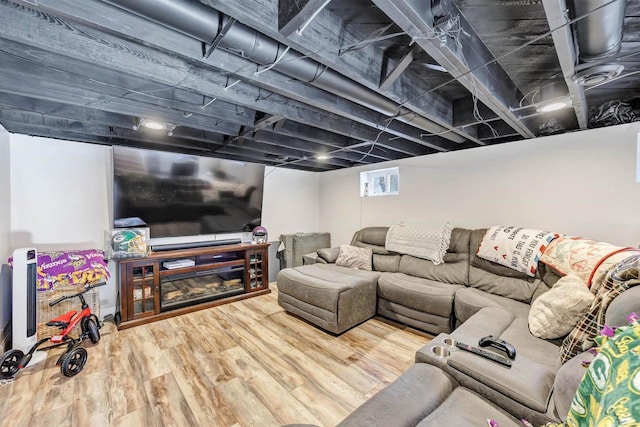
201	22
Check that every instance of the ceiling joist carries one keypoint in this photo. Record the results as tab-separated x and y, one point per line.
468	60
566	50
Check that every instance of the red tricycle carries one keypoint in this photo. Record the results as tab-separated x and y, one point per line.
73	359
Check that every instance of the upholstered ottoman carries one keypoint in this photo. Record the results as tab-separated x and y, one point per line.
329	296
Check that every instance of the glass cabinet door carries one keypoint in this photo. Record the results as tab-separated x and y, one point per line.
256	274
143	290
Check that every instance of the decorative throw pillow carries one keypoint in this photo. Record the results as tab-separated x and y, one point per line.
355	257
555	313
515	247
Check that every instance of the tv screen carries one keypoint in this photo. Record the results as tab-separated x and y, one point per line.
184	195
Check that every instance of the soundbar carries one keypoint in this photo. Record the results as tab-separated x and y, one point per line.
190	245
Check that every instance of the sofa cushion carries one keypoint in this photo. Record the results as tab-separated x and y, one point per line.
328	254
459	243
468	301
510	287
497	279
529	381
415	318
456	273
354	257
424	295
372	237
557	312
465	408
386	263
406	401
502	324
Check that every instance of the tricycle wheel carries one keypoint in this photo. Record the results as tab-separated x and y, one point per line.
9	364
73	361
91	329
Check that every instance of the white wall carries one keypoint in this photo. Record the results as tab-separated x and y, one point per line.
581	183
61	198
291	202
5	229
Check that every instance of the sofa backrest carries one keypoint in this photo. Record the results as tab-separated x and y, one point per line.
500	280
454	270
374	238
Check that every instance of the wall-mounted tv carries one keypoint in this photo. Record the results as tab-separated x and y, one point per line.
180	195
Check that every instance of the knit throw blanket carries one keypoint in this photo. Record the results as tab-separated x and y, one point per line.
422	240
620	278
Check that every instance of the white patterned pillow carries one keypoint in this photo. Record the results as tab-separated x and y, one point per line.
555	313
515	247
355	257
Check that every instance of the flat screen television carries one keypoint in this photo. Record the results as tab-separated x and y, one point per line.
186	196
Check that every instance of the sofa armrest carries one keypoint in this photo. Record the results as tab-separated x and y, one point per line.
311	258
328	255
567	381
624	304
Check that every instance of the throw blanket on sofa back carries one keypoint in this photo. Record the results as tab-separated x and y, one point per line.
589	259
422	240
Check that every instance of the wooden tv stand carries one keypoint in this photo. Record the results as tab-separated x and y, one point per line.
164	284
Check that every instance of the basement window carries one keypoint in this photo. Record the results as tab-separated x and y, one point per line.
380	182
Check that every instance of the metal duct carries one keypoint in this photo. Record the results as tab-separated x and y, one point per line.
599	34
203	23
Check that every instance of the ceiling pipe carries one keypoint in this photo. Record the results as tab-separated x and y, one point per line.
600	33
204	23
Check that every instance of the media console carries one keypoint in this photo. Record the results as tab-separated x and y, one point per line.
209	276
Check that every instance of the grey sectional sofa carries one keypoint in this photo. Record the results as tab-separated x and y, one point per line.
464	299
411	290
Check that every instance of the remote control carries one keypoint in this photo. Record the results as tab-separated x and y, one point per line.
484	353
499	344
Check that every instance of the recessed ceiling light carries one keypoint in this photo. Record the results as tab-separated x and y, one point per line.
554	106
152	124
554	97
322	157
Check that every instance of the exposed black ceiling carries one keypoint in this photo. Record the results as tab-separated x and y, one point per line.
284	82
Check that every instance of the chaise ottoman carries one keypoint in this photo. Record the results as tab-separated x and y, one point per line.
331	297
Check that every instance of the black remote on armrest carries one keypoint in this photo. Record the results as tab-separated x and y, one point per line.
499	344
484	353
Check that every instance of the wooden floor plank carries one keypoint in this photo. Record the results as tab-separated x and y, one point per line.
271	393
140	417
90	404
200	389
245	405
169	405
241	364
330	384
324	407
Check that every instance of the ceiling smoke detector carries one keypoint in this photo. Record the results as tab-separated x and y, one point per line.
598	74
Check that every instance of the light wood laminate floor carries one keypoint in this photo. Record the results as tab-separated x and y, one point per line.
242	364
